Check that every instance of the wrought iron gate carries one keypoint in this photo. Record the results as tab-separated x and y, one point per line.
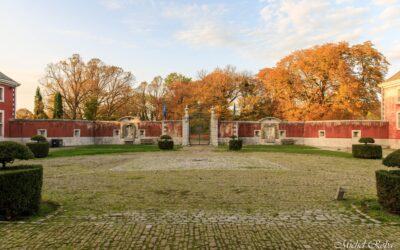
199	127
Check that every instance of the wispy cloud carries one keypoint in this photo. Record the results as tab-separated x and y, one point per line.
284	25
95	38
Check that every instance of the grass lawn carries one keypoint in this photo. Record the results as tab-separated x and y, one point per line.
101	149
294	149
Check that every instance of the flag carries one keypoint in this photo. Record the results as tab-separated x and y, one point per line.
234	109
165	110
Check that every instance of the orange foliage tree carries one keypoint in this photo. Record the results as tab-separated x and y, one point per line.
332	81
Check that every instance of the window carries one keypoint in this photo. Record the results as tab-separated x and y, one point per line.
116	132
42	132
142	132
1	94
321	133
282	133
1	123
257	133
77	133
356	133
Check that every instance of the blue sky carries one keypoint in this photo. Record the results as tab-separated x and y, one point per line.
156	37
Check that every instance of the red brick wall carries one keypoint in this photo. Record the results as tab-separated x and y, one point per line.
343	129
293	129
225	129
152	129
173	128
61	128
247	129
8	106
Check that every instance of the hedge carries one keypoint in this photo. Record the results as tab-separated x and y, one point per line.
235	144
166	145
367	151
392	159
39	149
21	189
388	190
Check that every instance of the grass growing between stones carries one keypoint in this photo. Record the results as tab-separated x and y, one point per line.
292	149
192	181
372	208
101	149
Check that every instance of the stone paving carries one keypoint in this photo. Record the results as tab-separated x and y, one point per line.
187	230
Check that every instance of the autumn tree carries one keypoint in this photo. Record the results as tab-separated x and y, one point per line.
79	83
58	106
68	77
332	81
110	86
24	113
38	110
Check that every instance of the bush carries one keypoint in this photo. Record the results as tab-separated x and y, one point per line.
21	189
166	143
235	143
392	159
388	190
288	141
9	151
38	138
366	140
165	137
39	149
367	151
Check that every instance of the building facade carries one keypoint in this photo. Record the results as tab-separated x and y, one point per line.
129	130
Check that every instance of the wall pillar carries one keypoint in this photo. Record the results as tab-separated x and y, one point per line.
213	128
163	129
185	128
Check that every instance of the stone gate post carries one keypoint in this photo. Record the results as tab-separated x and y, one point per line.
185	128
213	128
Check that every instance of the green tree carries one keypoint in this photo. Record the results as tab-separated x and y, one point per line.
90	109
38	111
176	77
58	111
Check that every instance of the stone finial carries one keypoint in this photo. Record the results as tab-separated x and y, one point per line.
186	111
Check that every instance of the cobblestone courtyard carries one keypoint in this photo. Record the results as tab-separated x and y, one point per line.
199	198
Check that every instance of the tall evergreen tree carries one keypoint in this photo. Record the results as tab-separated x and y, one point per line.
38	111
58	111
91	108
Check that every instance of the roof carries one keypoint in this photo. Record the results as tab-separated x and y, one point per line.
393	81
7	80
394	77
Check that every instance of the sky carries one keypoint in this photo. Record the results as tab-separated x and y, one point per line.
156	37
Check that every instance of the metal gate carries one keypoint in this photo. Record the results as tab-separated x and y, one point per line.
199	127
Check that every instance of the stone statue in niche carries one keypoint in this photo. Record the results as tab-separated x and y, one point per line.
269	132
131	131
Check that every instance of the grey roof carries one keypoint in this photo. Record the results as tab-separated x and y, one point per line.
7	80
394	77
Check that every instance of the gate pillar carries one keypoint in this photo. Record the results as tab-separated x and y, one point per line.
213	128
185	128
